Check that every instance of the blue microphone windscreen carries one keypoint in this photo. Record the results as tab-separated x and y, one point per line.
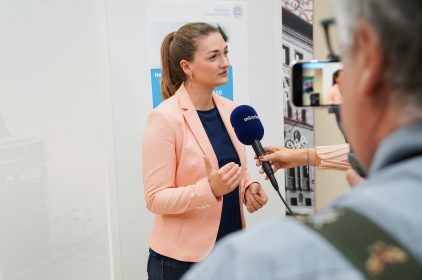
246	124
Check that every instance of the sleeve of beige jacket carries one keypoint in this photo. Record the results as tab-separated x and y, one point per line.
159	168
334	157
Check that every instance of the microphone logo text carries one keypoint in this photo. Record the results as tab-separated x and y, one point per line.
251	118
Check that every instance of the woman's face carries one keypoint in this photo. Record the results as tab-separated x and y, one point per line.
210	63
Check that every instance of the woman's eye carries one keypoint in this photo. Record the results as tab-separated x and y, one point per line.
213	57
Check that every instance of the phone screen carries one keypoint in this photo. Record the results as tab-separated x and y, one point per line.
316	83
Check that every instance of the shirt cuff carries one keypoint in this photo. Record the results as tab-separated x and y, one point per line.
334	157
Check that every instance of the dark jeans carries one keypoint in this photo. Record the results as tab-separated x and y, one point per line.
164	268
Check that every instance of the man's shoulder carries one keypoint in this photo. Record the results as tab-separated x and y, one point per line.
390	198
275	249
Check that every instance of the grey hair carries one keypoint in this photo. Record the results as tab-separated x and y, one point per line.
398	24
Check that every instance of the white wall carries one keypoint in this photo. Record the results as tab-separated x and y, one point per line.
54	149
131	104
266	92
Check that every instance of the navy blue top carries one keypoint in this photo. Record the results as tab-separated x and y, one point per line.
223	147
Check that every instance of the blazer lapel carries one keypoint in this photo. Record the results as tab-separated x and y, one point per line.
225	113
195	124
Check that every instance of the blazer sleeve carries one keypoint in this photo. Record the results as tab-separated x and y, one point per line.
159	171
334	157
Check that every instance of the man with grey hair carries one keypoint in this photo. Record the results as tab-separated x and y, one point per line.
374	231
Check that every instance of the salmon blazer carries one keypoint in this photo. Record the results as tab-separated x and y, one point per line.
175	177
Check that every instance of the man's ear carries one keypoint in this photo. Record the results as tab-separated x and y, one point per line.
370	58
186	67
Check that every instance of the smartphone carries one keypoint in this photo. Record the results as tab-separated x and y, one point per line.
316	83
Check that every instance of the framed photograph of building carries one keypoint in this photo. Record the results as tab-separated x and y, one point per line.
297	17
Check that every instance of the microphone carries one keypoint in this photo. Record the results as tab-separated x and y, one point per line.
249	131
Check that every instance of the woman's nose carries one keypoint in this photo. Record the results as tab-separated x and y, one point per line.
224	62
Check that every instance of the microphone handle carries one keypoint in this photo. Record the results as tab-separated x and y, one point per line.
259	151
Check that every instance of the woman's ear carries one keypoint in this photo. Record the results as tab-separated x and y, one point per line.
185	65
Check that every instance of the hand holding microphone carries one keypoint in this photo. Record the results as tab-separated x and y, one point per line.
282	157
249	131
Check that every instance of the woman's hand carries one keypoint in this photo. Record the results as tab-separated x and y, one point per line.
255	197
225	179
281	157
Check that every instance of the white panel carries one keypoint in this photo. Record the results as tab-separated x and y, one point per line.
266	92
131	101
53	159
